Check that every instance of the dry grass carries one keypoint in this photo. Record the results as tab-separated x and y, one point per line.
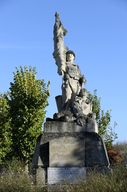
15	179
113	182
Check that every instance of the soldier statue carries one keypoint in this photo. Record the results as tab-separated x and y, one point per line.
73	105
71	75
72	80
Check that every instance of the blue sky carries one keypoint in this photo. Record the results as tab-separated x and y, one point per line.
97	32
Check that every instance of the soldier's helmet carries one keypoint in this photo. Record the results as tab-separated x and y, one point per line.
70	52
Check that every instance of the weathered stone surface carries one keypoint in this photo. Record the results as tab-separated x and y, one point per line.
59	102
40	176
66	175
83	145
60	127
92	125
70	149
36	160
71	127
95	151
67	151
41	154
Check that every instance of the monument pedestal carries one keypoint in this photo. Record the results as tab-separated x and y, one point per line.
65	152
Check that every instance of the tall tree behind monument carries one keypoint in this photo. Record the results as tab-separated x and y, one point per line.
28	99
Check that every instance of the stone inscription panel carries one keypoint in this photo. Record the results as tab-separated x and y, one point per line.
66	175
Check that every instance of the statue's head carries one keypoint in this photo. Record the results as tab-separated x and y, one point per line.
70	56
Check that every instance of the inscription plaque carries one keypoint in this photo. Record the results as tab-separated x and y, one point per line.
61	175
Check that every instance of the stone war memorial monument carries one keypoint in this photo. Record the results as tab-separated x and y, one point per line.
70	146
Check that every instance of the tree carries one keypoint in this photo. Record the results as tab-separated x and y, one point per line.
27	100
103	120
5	132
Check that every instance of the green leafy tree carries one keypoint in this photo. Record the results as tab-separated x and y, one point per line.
5	132
103	121
27	100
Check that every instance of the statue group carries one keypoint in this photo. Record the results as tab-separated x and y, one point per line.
69	147
75	103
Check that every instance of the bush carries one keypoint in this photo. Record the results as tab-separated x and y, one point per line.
115	156
122	148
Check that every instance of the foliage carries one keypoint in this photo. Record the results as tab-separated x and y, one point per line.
120	153
115	156
27	101
5	133
103	120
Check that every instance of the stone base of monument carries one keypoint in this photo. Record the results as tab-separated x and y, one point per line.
66	152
